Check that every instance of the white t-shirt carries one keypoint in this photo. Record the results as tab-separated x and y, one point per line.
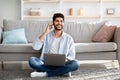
55	46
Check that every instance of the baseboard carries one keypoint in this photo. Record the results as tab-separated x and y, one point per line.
15	65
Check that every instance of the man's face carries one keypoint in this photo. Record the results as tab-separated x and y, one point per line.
58	23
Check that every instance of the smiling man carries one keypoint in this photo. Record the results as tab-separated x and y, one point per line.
54	41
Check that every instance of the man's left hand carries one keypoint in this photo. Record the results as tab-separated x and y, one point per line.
66	60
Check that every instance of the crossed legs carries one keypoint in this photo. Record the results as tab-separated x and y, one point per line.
38	65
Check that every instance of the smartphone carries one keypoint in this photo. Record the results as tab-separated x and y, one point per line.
51	27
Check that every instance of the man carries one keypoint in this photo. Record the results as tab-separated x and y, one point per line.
54	41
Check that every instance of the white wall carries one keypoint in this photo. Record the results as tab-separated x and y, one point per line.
10	9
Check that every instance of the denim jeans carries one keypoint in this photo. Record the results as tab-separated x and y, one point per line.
38	65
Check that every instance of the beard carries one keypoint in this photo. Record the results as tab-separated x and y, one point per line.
58	28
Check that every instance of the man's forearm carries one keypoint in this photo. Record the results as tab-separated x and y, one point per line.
42	36
46	31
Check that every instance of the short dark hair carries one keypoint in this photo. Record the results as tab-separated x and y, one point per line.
56	15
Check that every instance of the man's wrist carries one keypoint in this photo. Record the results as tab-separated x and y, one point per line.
45	33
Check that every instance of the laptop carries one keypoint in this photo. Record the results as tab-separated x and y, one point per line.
54	59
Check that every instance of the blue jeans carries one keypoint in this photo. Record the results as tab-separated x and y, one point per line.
38	65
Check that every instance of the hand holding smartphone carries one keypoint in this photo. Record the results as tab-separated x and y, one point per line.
49	27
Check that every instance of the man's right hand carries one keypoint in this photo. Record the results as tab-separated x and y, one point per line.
49	27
